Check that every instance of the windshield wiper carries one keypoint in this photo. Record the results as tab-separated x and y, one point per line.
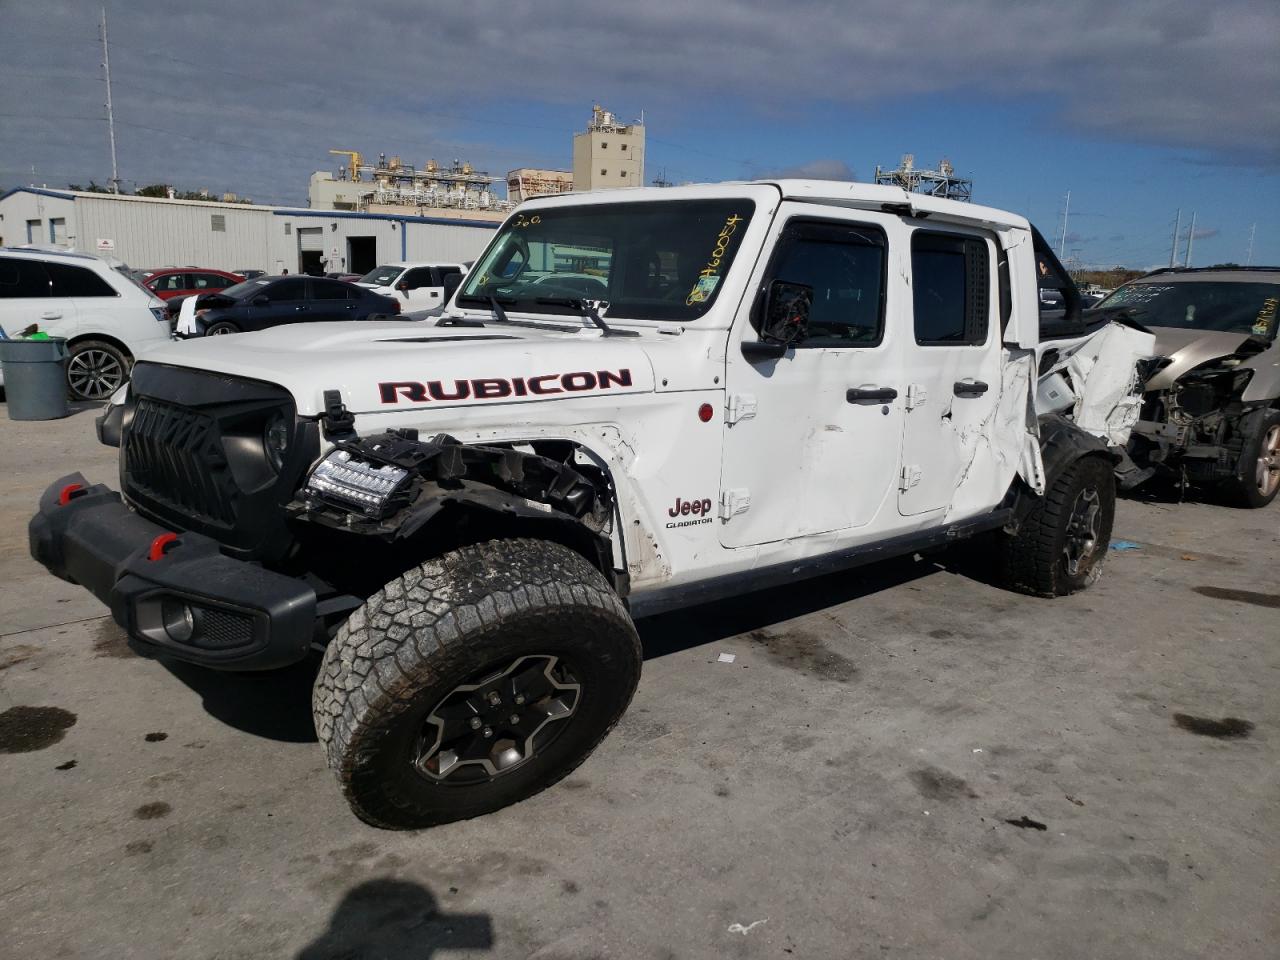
588	312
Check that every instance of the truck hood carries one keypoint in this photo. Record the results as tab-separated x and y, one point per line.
384	366
1188	349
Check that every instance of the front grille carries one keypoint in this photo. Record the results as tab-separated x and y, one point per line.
174	456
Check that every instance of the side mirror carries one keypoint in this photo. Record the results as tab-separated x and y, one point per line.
786	313
261	300
403	286
452	281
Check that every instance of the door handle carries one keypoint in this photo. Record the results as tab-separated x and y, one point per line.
50	316
969	388
870	394
299	308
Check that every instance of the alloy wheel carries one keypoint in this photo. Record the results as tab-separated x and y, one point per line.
1082	531
95	374
1268	470
488	727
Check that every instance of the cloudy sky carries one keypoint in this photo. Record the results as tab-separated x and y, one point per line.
1137	108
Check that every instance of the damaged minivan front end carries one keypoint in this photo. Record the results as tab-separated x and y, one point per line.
1209	414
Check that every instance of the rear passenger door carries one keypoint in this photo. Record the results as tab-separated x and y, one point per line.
26	299
331	300
286	303
952	364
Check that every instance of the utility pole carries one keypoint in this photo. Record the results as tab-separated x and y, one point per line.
1248	261
1173	247
1191	235
111	120
1066	211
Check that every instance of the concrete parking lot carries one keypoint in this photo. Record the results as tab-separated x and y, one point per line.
904	761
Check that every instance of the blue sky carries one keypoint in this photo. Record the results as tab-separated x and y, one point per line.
1137	109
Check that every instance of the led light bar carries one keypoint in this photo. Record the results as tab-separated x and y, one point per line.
352	481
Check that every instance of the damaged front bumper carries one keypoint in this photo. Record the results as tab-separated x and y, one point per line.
174	593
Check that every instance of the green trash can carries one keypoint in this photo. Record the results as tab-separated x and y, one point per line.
35	378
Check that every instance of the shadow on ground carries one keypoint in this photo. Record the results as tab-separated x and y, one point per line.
274	704
386	917
672	632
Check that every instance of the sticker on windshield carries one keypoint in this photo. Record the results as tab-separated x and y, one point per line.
1266	317
702	290
709	276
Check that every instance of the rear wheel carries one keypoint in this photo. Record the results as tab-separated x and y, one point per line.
1061	544
96	369
1257	479
221	329
473	681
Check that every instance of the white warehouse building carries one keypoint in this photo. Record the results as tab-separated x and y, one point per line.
147	232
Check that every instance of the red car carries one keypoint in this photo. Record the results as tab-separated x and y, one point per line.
184	281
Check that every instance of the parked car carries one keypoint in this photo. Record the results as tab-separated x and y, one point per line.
346	277
188	281
273	301
1211	411
418	286
107	318
251	274
844	372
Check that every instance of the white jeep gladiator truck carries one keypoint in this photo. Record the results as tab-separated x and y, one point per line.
783	379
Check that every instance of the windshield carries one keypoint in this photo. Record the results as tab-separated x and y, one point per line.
1229	307
381	276
241	290
662	260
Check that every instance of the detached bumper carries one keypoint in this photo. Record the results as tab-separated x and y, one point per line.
183	599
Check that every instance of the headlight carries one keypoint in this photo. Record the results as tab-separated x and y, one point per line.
352	482
275	440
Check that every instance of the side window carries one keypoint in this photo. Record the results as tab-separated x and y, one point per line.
845	266
169	283
950	289
419	277
287	290
328	290
69	281
446	272
22	278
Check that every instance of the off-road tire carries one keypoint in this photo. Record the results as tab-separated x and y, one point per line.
221	328
1244	490
1033	560
96	369
413	642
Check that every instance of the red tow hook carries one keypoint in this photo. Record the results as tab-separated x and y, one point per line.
161	544
67	492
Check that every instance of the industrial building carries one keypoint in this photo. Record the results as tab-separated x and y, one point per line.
608	154
392	186
146	232
942	182
529	182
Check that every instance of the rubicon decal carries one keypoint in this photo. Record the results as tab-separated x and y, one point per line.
495	388
699	511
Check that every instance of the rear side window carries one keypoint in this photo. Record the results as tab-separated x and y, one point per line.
69	281
169	283
328	290
419	277
209	281
950	287
22	278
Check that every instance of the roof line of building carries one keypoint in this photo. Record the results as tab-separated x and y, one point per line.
402	217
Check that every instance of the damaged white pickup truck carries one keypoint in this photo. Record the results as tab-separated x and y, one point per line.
770	381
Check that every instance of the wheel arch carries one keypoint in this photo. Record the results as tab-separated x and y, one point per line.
101	338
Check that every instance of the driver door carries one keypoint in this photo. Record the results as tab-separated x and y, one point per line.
812	438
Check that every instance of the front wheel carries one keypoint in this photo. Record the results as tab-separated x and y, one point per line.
1257	479
473	681
1062	542
221	329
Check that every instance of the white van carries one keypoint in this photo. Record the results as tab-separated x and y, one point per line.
418	286
107	318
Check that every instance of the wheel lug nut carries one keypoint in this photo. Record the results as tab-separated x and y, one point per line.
487	733
475	723
494	699
515	718
519	699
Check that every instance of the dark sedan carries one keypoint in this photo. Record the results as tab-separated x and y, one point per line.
273	301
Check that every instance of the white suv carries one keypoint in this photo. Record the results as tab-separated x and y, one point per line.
418	286
107	319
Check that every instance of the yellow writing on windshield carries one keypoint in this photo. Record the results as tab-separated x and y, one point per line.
709	276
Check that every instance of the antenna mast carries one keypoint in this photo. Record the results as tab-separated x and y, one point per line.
1173	247
1062	247
111	120
1248	261
1191	235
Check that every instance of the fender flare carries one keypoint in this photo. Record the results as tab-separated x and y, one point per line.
1062	443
